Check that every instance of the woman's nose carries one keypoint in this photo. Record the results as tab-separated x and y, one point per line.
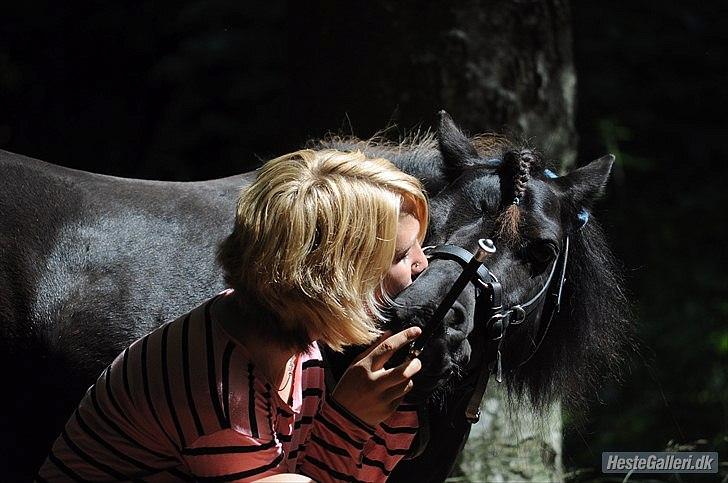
420	262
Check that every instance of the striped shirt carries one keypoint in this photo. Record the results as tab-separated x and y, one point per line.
187	403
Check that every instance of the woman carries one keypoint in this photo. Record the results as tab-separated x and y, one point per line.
234	390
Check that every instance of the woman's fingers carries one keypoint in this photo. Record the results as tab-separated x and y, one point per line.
403	372
385	349
371	392
395	394
374	345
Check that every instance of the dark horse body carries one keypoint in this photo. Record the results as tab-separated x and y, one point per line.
90	263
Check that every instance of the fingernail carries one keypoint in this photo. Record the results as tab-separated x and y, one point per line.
415	331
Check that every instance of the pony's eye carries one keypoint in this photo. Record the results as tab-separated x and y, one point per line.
543	251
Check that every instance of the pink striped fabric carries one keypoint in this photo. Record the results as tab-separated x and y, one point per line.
186	403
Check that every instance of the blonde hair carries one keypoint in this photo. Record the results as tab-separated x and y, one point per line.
314	236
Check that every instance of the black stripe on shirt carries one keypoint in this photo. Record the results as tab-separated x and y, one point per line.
378	464
147	392
269	410
398	429
333	473
330	447
251	401
312	363
110	394
391	452
283	412
61	466
213	450
242	474
226	356
211	375
109	447
339	432
125	373
349	416
167	389
187	376
302	421
109	422
312	391
295	452
88	459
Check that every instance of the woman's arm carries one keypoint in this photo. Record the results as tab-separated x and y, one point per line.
343	448
362	429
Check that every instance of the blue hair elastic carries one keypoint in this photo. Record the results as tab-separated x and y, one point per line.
583	215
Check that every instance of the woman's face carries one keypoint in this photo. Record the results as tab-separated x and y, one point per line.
409	260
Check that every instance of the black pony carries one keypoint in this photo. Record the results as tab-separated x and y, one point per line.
90	263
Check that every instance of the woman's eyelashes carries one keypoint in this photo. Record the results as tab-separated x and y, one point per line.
399	257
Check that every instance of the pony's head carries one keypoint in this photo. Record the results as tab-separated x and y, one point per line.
488	188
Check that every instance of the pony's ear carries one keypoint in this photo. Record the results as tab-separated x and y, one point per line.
457	150
584	185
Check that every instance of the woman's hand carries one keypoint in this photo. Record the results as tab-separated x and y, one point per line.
368	390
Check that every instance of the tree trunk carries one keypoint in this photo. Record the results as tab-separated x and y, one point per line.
503	66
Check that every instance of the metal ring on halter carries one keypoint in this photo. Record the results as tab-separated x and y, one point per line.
519	313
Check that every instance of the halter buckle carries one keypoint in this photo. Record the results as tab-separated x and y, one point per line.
494	320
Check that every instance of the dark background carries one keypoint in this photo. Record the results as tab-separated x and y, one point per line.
651	90
197	90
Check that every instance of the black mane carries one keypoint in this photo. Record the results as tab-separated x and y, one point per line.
417	154
586	342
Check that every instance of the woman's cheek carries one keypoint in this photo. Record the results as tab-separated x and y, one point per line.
398	278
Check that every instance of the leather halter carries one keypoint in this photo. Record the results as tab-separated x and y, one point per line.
489	301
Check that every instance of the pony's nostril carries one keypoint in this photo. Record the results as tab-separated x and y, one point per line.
456	317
